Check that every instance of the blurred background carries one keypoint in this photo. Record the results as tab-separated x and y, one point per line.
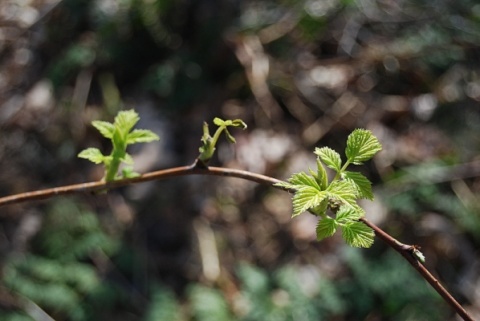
301	74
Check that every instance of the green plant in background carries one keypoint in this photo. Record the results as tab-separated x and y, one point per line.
56	275
121	135
163	305
314	192
208	142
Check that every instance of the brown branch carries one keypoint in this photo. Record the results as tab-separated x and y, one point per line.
92	187
199	169
407	252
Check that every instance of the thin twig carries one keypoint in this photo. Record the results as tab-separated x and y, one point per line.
93	187
199	169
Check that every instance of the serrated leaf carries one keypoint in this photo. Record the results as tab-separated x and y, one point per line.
361	146
286	185
141	136
358	234
92	154
326	227
305	198
343	191
348	214
330	157
303	179
125	120
362	184
105	128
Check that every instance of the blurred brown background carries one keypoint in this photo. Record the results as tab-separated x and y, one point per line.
301	74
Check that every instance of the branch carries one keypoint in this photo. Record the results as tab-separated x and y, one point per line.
198	168
407	252
195	169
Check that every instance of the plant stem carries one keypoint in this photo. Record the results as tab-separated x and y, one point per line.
196	169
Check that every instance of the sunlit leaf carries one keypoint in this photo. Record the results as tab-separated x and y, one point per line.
303	178
361	146
343	191
141	136
105	128
125	120
358	234
305	198
347	214
330	157
326	227
92	154
362	184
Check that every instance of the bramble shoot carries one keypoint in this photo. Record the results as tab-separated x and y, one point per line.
335	202
121	135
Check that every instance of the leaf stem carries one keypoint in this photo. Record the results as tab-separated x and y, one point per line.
197	169
343	169
217	134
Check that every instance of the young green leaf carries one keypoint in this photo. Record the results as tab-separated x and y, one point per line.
361	146
303	179
321	176
330	157
326	227
125	120
141	136
347	214
343	191
305	198
105	128
358	234
362	184
92	154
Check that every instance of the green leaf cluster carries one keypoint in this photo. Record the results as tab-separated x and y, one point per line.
335	201
209	142
121	135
